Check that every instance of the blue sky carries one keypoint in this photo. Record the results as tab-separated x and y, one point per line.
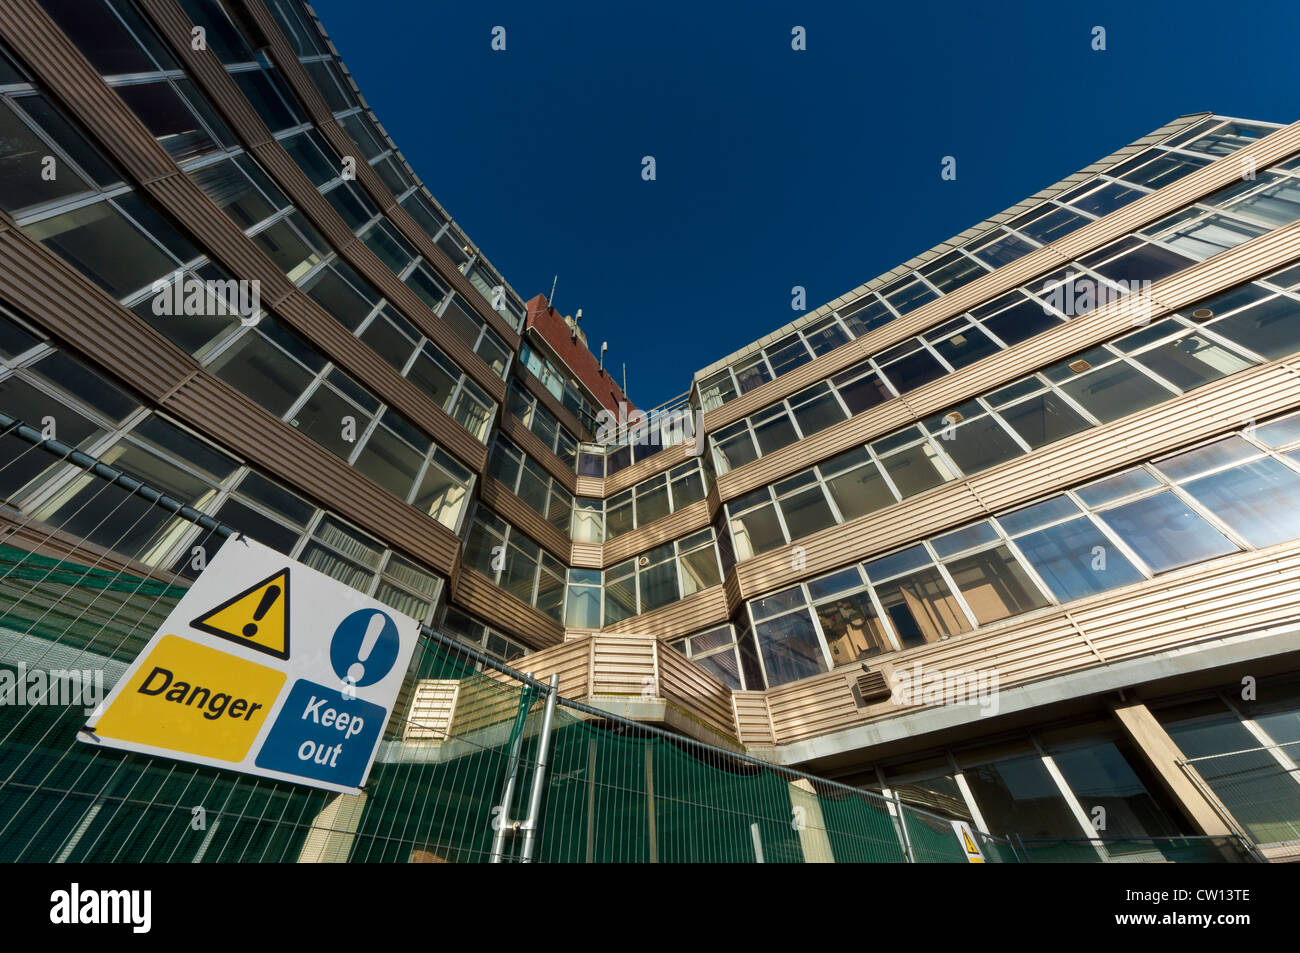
775	168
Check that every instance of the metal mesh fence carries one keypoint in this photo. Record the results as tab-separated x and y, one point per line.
1256	790
612	791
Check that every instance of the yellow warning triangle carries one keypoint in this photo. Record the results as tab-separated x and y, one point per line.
974	852
258	617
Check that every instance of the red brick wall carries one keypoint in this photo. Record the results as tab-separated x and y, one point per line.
549	325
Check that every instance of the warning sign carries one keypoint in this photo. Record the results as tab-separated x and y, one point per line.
969	845
223	683
257	617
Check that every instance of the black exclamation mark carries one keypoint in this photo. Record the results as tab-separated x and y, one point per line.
268	600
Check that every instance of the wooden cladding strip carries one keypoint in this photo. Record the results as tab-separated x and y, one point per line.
1237	593
1247	261
207	70
515	511
753	723
625	665
102	111
665	459
571	661
479	595
296	76
694	690
697	611
585	556
600	664
39	285
78	313
1215	408
547	399
1218	174
665	529
526	440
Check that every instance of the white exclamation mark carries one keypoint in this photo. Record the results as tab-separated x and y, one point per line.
373	629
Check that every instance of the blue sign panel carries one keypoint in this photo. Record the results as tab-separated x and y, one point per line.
323	734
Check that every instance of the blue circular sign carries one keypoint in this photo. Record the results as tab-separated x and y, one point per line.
364	647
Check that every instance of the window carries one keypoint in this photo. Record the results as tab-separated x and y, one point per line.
995	585
1075	559
1258	500
1166	533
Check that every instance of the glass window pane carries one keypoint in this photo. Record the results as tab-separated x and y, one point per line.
1044	419
852	628
1075	560
921	608
1017	795
169	118
860	491
22	157
659	585
1115	391
979	444
757	531
915	469
806	512
100	243
652	504
1192	361
700	570
995	585
818	414
111	46
262	373
1270	329
790	648
1259	500
916	369
389	461
1166	533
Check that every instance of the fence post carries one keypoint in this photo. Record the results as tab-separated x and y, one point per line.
539	773
502	820
1022	850
904	838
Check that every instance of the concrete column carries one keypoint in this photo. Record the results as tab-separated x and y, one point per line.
1161	755
333	830
811	824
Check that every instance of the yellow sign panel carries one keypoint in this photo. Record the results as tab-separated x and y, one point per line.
189	698
258	617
